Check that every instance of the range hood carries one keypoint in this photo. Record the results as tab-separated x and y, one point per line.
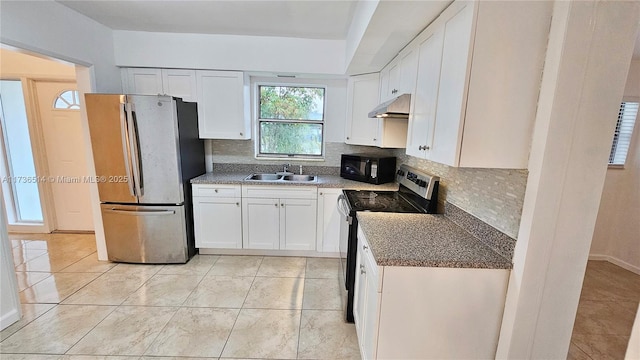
397	107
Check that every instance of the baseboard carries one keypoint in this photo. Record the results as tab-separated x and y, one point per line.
253	252
623	264
9	318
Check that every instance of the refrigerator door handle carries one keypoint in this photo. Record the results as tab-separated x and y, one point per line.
124	130
135	145
141	212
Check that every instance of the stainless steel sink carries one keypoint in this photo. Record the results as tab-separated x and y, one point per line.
264	177
283	178
305	178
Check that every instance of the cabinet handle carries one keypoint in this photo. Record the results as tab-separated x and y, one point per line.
362	271
320	193
241	134
276	205
364	247
237	204
347	138
374	139
216	190
282	205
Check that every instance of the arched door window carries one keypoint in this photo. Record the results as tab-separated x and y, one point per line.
67	100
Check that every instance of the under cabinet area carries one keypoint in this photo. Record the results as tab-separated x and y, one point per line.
279	218
217	216
411	312
478	79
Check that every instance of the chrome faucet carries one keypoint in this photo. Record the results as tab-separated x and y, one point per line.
285	167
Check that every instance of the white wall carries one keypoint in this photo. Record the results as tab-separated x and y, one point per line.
51	29
9	300
229	52
616	237
590	47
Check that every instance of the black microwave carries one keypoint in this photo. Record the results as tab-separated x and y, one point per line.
368	168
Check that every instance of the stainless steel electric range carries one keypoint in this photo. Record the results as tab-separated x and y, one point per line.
417	193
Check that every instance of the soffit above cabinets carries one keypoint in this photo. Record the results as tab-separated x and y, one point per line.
371	32
311	19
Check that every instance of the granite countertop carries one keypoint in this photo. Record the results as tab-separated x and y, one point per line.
398	239
324	181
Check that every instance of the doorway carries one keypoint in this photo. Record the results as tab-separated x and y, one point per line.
59	116
17	167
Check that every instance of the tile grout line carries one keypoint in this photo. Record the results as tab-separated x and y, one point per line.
95	326
240	310
302	308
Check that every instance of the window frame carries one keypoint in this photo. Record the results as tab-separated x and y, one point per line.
633	131
257	121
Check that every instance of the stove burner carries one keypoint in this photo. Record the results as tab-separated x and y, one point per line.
381	201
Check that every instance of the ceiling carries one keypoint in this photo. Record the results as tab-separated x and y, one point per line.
312	19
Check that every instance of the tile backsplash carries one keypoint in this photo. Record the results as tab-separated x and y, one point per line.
494	196
241	152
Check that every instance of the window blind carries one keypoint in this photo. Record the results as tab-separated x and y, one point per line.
622	136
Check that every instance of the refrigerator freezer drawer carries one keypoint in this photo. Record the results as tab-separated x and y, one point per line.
145	234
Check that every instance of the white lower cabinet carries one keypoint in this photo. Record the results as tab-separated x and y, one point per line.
405	312
328	235
217	216
279	217
261	223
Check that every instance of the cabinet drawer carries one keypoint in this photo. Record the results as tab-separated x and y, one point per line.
217	190
280	192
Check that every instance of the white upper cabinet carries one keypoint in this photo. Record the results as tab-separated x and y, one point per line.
175	82
362	97
142	81
360	129
223	100
180	83
399	76
478	80
423	115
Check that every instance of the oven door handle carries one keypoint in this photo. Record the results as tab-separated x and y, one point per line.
343	208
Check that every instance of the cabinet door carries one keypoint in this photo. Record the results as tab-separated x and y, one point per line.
217	222
422	117
452	91
298	224
221	105
260	223
408	72
329	221
144	81
359	298
180	83
362	97
371	313
393	88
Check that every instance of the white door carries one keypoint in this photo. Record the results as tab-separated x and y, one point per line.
59	111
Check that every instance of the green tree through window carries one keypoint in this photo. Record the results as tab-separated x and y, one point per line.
291	120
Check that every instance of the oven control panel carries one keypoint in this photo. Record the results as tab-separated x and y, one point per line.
416	180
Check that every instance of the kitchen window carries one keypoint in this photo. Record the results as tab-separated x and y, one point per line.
290	121
622	136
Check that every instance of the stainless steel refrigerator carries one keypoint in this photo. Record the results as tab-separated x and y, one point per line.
145	149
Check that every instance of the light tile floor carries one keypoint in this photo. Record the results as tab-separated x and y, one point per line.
76	307
606	312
